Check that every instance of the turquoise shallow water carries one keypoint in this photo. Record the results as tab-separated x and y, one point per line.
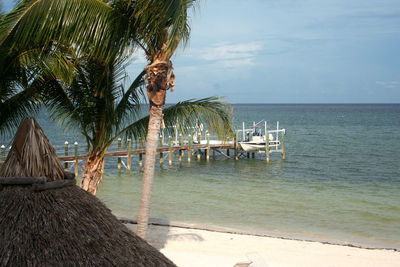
340	181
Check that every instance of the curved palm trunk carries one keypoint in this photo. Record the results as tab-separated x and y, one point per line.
148	175
92	173
160	78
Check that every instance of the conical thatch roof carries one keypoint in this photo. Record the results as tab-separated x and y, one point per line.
31	154
62	226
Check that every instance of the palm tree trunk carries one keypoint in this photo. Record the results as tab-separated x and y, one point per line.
160	78
92	174
148	175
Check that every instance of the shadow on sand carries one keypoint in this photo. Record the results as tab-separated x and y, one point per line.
159	232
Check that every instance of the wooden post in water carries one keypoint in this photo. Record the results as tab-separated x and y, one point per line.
76	159
266	142
244	132
189	147
129	154
181	150
283	145
66	146
140	154
208	147
3	153
236	145
213	153
161	154
119	149
277	133
252	135
199	150
170	151
248	139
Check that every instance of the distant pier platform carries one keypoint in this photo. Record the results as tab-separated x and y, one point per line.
199	145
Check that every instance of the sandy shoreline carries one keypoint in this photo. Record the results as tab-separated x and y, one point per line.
194	247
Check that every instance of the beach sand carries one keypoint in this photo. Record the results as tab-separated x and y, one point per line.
194	247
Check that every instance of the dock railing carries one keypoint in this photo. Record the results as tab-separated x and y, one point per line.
196	142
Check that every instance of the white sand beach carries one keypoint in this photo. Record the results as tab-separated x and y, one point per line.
193	247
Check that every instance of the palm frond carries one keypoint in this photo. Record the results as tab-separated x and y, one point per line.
91	25
20	105
212	112
215	114
162	25
20	87
129	107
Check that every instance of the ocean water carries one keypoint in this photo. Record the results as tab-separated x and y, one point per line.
339	183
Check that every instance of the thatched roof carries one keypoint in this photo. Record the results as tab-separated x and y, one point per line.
31	154
53	222
66	227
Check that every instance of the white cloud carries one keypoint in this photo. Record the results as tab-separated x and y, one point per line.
225	51
237	63
388	84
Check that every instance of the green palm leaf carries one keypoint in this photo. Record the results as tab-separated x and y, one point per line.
162	25
187	114
91	25
18	106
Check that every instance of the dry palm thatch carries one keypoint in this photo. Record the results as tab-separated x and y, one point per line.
46	225
66	227
31	154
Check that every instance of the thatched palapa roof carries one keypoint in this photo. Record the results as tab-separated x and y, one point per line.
31	154
47	225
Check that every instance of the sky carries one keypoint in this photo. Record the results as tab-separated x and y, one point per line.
290	51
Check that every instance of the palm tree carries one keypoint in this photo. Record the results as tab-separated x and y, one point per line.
161	27
99	105
110	32
89	94
32	30
95	102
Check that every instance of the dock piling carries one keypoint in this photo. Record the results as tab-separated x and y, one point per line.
129	154
189	147
208	147
236	145
266	142
140	154
199	150
283	145
180	144
76	159
170	151
119	149
244	131
161	154
66	147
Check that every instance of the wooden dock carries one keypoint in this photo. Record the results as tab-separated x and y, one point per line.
198	148
126	153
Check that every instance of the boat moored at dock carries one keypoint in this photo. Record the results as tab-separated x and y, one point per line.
256	140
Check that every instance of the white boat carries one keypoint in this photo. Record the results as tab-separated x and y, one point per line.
258	143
